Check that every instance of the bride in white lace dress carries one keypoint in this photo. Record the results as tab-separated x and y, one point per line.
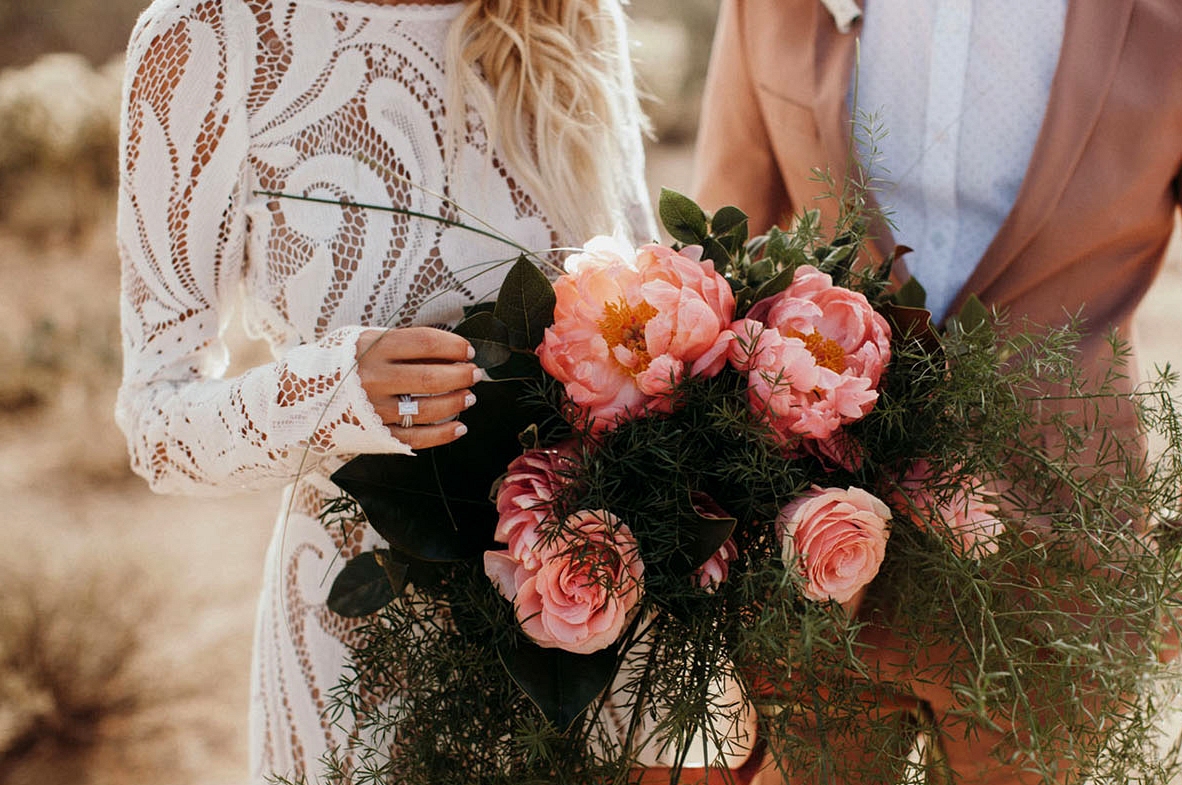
520	111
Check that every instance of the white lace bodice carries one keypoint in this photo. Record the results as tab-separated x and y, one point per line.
331	99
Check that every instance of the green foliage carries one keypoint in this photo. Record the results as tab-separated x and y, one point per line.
1050	642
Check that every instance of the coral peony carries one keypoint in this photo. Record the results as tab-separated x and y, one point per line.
526	496
837	537
587	581
628	328
964	515
814	355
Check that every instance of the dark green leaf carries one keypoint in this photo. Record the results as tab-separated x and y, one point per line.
911	294
972	314
730	221
561	684
773	287
704	532
525	304
713	251
913	324
435	506
362	587
682	217
489	337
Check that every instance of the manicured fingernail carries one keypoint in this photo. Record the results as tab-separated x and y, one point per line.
461	429
469	401
477	375
471	352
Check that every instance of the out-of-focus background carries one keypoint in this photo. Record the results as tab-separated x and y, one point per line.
125	618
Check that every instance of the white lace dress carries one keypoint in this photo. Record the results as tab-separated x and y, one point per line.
333	99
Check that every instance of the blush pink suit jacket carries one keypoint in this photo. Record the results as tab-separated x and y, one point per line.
1087	232
1090	225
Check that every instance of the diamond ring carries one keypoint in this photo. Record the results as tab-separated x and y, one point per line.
407	407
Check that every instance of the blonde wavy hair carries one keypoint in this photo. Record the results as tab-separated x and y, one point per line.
548	78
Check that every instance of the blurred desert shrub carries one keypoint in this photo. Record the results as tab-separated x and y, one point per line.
70	667
59	127
95	29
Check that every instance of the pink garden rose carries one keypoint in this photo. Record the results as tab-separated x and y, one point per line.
628	327
964	515
838	539
526	496
580	596
814	355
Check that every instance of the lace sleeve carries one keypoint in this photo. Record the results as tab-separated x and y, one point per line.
181	232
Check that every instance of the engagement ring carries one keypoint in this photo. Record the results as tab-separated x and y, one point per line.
407	407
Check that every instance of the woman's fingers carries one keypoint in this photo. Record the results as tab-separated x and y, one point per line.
411	344
432	408
394	379
421	437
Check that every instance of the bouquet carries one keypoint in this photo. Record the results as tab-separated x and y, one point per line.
697	480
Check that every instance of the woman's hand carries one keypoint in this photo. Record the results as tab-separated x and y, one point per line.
429	364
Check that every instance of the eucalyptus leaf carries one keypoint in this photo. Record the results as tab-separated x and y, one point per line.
362	587
525	304
561	684
682	217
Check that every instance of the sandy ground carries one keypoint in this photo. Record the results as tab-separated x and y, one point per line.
194	564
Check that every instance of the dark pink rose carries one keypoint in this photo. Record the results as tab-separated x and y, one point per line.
526	496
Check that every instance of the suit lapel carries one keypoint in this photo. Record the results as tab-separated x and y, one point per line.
1092	40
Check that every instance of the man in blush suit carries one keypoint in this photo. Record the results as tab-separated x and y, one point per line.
1032	150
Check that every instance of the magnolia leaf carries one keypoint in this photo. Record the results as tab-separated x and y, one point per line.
777	284
713	251
729	222
911	294
914	324
682	217
525	305
705	530
972	314
489	336
364	586
435	506
561	684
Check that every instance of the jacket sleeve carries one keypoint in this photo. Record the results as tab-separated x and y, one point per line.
181	235
734	161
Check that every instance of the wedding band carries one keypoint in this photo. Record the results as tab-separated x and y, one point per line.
407	407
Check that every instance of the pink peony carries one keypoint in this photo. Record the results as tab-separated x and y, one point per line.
964	514
838	538
628	329
714	572
526	496
814	355
581	595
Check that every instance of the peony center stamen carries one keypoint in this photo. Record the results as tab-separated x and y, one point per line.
623	325
827	352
